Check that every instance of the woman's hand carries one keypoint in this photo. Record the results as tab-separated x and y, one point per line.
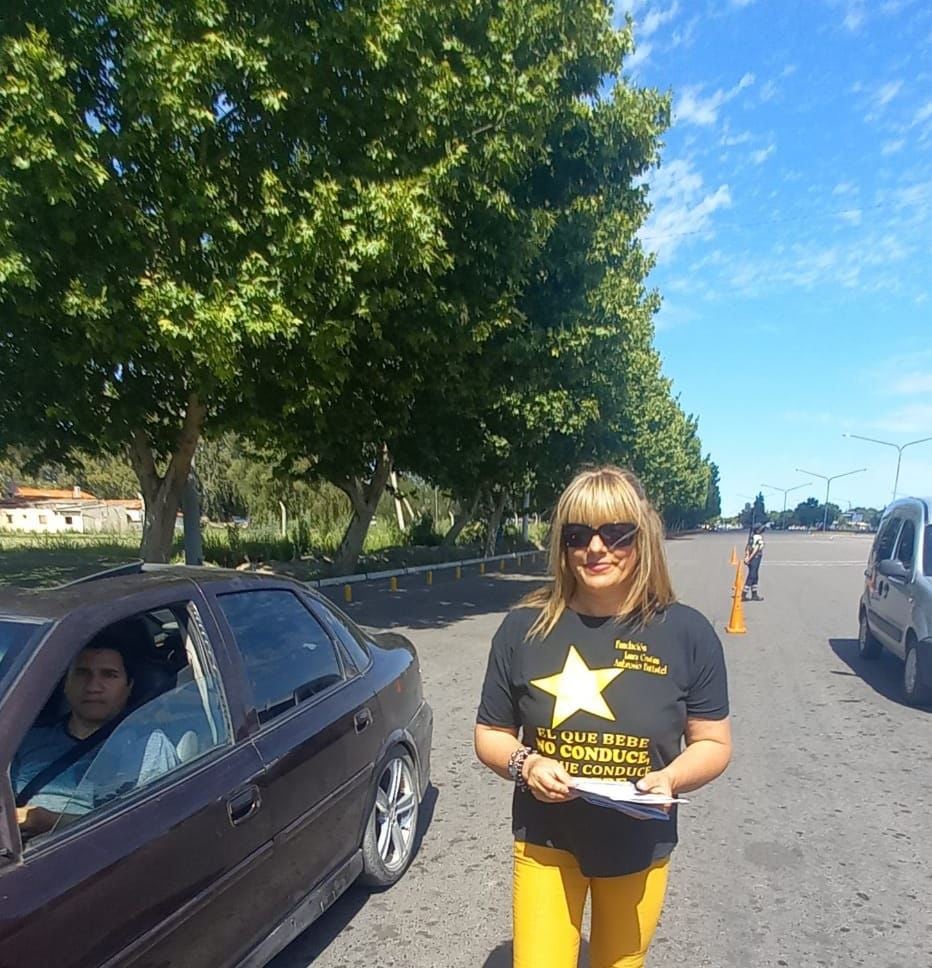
659	782
548	781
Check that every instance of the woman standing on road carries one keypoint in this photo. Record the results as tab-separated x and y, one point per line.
601	675
753	556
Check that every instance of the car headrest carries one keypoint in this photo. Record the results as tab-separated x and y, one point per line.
150	679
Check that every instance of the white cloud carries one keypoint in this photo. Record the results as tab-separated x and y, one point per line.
914	418
912	384
888	92
768	91
852	216
692	108
892	147
655	19
845	188
682	207
684	35
761	155
730	140
923	114
880	97
854	15
642	52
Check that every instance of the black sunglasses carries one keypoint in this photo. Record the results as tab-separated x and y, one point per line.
616	535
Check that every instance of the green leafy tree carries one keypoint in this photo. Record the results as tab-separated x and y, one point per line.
811	512
554	385
201	206
534	147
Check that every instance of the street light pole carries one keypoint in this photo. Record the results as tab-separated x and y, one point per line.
786	490
899	452
828	484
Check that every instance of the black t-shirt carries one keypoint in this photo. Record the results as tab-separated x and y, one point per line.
609	700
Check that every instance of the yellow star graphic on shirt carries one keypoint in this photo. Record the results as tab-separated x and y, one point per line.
578	687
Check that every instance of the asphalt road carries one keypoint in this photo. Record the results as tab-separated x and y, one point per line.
813	850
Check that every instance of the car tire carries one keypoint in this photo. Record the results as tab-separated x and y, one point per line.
868	646
389	839
915	691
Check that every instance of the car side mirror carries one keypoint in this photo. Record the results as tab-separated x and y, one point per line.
891	568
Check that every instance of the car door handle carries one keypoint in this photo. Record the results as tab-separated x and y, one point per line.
244	804
362	719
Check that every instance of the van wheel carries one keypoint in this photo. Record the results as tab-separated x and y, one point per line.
917	694
868	646
388	843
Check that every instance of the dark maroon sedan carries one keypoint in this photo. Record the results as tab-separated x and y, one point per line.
195	764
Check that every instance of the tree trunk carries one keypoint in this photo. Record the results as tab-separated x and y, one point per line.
464	514
191	511
162	493
364	497
495	521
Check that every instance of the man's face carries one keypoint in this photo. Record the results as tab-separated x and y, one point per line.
97	688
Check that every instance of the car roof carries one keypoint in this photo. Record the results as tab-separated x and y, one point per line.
54	602
905	501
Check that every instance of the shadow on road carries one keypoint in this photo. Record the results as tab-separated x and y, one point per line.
418	606
884	675
307	947
501	957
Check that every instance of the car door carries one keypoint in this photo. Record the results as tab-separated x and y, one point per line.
317	730
169	874
899	597
878	585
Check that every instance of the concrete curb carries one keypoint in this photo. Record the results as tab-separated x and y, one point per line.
374	576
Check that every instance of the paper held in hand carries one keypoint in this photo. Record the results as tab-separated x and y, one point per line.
625	796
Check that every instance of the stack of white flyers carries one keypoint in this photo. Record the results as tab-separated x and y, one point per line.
626	797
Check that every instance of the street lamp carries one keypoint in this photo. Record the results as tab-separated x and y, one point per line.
899	452
786	490
828	484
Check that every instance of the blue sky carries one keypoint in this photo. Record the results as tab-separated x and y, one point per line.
792	225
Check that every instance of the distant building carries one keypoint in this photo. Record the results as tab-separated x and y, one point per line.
58	511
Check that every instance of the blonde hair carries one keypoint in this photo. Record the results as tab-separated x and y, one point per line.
596	496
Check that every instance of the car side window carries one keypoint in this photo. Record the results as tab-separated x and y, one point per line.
139	700
927	551
346	633
287	654
886	540
906	545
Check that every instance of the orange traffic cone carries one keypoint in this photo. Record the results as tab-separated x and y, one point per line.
734	556
736	624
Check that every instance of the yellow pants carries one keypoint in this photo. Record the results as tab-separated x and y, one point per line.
549	898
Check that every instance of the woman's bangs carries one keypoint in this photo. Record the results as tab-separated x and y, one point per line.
601	501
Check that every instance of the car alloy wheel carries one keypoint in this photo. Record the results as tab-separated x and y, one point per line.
390	834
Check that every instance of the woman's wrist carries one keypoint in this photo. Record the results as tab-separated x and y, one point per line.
517	765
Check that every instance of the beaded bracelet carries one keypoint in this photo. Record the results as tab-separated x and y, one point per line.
516	766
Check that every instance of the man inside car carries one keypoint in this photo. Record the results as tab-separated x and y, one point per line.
51	770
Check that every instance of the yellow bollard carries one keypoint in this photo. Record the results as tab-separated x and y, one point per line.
481	567
347	593
501	565
393	584
736	624
430	578
459	571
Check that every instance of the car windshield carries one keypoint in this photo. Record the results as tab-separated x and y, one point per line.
16	635
927	552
